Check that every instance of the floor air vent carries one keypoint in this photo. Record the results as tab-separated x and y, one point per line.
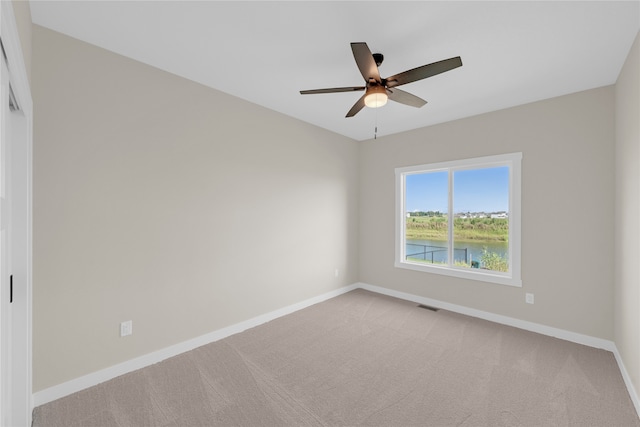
428	307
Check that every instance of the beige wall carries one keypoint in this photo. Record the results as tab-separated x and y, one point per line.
185	210
567	209
173	205
627	206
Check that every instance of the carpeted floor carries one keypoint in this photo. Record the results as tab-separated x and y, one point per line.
363	359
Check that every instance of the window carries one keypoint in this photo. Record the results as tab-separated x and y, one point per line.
461	218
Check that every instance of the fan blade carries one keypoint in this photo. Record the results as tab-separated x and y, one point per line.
356	107
405	98
333	90
365	61
423	72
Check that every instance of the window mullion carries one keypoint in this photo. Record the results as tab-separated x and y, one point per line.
450	220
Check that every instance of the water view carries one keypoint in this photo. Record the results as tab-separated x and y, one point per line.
436	251
479	226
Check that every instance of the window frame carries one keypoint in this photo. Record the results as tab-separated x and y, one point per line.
514	162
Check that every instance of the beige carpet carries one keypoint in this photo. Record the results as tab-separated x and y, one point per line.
363	359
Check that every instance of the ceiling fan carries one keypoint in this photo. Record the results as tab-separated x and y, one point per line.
377	89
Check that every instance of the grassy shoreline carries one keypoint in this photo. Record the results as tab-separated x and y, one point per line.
465	230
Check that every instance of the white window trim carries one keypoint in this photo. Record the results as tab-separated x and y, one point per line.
511	278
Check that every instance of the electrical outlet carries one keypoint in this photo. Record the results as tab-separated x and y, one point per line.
126	328
529	298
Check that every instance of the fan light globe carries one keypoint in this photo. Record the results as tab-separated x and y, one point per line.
376	97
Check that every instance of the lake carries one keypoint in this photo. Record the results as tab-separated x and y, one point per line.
438	250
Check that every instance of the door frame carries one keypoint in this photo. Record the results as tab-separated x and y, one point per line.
20	345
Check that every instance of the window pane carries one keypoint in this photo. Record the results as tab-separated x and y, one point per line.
481	218
426	208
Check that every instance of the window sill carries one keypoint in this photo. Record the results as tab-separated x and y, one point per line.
463	273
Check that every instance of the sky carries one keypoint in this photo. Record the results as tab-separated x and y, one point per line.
477	190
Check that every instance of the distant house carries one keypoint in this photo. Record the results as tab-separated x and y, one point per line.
499	215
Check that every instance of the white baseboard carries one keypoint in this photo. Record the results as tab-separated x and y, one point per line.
497	318
521	324
627	380
61	390
95	378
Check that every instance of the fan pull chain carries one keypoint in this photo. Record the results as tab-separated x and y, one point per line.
375	129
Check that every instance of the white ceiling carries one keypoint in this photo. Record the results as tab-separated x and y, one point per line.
266	52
